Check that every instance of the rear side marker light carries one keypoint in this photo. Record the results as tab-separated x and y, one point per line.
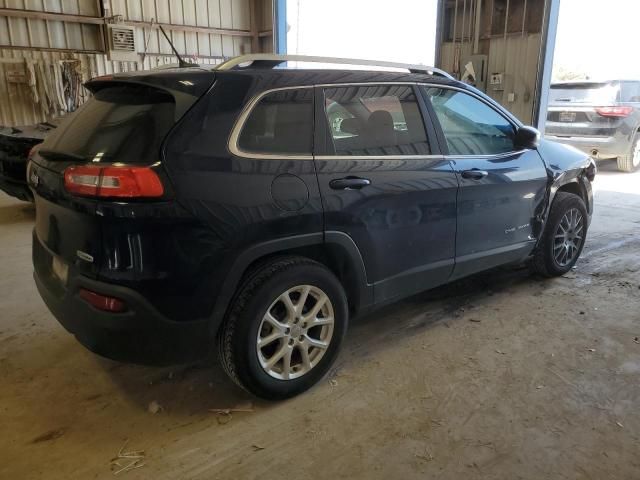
614	111
102	302
123	182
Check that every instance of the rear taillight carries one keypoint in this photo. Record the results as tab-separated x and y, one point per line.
100	181
102	302
614	111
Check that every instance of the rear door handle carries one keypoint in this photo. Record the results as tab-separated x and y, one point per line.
474	174
349	183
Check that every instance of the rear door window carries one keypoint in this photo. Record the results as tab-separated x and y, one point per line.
122	123
281	123
470	126
374	120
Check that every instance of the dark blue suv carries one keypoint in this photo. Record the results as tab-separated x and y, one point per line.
257	208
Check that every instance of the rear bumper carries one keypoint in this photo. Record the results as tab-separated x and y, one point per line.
597	147
138	335
16	189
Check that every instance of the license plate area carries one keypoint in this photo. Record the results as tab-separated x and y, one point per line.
567	117
60	270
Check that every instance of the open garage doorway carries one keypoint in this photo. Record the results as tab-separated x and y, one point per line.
364	29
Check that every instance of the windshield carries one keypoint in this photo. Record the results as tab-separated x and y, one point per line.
587	93
123	123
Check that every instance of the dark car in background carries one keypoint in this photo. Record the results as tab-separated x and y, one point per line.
258	209
600	118
15	145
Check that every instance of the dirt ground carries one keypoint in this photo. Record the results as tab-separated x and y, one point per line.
499	376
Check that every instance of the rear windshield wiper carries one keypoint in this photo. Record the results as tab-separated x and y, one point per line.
60	156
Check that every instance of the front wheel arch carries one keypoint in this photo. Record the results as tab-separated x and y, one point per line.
543	260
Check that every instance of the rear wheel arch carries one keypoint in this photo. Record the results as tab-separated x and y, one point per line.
334	250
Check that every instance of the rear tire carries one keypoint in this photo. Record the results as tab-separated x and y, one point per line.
269	327
563	238
631	162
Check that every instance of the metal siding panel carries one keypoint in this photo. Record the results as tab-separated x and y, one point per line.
18	31
134	8
227	46
267	15
188	12
241	14
70	6
35	5
74	36
164	45
226	14
89	7
52	6
215	42
153	45
5	39
191	43
162	11
39	36
214	13
201	13
118	7
176	15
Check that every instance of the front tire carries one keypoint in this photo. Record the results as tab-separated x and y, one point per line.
631	162
563	238
284	328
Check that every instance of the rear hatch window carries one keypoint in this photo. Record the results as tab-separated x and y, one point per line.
587	93
123	123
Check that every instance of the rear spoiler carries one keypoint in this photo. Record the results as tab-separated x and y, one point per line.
190	81
185	85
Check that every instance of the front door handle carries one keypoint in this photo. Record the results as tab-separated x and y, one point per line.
474	174
349	183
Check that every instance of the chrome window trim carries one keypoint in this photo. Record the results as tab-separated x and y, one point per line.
486	157
246	111
379	157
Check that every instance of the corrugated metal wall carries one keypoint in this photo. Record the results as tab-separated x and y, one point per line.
50	41
41	33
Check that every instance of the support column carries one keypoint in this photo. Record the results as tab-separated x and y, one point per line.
280	26
545	62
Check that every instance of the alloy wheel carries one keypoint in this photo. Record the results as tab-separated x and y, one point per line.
568	237
295	332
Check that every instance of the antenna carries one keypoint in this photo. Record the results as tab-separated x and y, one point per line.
181	62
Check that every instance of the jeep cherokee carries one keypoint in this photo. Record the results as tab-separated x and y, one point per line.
258	208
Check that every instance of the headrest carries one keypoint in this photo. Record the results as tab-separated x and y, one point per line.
380	119
351	125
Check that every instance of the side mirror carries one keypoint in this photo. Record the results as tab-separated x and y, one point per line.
527	137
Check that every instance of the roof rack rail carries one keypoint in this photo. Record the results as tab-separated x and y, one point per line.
268	60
